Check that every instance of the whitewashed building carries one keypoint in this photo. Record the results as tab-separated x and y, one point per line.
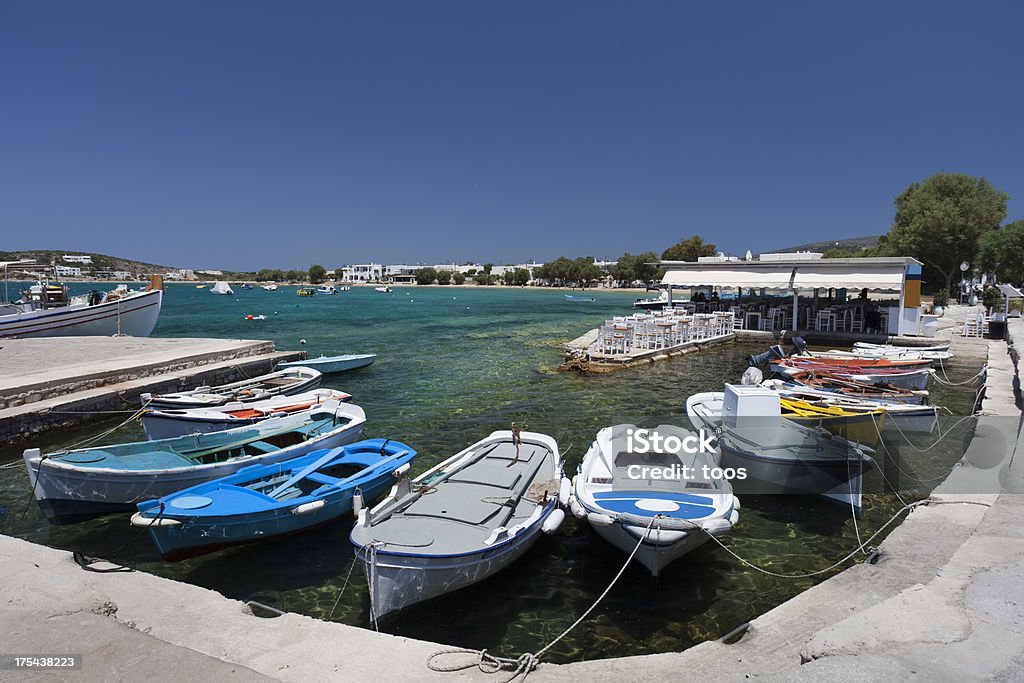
72	258
68	271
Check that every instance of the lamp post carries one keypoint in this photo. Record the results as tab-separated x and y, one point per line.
963	271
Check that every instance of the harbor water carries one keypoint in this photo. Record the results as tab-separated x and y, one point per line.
453	365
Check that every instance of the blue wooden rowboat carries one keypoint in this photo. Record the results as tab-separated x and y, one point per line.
580	299
261	502
327	365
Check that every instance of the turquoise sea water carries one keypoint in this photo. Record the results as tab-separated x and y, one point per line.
453	365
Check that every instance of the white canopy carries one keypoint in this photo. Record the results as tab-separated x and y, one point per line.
876	274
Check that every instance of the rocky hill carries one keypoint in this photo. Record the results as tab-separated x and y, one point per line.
849	243
99	261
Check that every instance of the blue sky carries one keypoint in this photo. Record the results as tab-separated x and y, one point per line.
250	134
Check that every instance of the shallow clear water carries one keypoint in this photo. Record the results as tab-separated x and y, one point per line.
453	365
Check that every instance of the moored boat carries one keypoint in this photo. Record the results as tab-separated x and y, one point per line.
306	291
905	374
222	288
262	502
326	289
270	287
580	299
662	517
287	382
79	484
327	365
779	456
47	310
654	304
486	506
384	288
169	423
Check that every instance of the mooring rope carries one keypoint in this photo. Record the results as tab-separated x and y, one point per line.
527	662
944	379
342	591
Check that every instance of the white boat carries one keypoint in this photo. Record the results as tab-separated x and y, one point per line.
486	506
327	365
776	455
221	288
287	382
46	310
660	302
169	423
384	289
72	486
613	494
270	287
893	347
893	354
326	289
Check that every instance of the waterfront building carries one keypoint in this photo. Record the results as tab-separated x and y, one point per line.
72	258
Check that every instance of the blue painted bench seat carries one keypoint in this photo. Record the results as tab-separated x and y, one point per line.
691	506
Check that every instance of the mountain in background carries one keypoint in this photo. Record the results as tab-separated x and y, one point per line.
848	243
99	261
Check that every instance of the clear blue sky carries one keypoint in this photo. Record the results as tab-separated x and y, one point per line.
249	134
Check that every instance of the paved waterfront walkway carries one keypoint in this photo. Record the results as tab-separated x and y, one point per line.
944	602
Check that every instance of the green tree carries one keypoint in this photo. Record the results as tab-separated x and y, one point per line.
458	278
269	275
425	276
585	271
488	267
520	277
1001	252
295	275
444	277
317	274
483	279
689	250
941	220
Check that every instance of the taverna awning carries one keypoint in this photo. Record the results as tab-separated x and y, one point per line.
880	274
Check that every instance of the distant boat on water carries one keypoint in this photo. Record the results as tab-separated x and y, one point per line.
221	288
270	287
383	288
580	299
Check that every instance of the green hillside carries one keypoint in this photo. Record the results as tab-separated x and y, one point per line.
848	243
99	261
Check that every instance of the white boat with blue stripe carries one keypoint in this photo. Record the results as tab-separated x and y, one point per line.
663	498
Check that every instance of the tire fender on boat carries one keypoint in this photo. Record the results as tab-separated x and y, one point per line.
553	521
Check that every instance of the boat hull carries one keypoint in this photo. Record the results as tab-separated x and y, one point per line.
398	580
133	316
329	366
67	495
654	554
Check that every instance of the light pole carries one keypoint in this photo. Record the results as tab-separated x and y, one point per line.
963	271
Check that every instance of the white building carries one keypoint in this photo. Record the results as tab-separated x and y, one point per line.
363	272
71	258
68	271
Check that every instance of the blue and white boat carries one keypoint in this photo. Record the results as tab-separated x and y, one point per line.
662	500
580	299
72	486
328	365
261	502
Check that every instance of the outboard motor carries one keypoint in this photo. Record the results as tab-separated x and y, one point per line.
799	346
774	352
752	377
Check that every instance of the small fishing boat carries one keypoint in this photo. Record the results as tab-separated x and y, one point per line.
905	374
621	504
779	456
167	424
270	287
287	382
72	486
384	289
263	502
306	291
486	506
200	286
326	289
904	417
844	386
222	288
879	354
344	288
886	348
580	299
328	365
246	285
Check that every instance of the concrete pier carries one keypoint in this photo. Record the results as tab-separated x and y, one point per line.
945	601
62	381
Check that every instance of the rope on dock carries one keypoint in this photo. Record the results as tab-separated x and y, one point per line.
946	381
342	591
527	662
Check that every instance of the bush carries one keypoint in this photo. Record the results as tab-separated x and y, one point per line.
940	298
992	298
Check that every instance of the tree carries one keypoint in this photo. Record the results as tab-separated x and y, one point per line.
426	276
689	250
483	279
444	277
458	278
295	275
317	274
270	275
488	267
1001	252
941	220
